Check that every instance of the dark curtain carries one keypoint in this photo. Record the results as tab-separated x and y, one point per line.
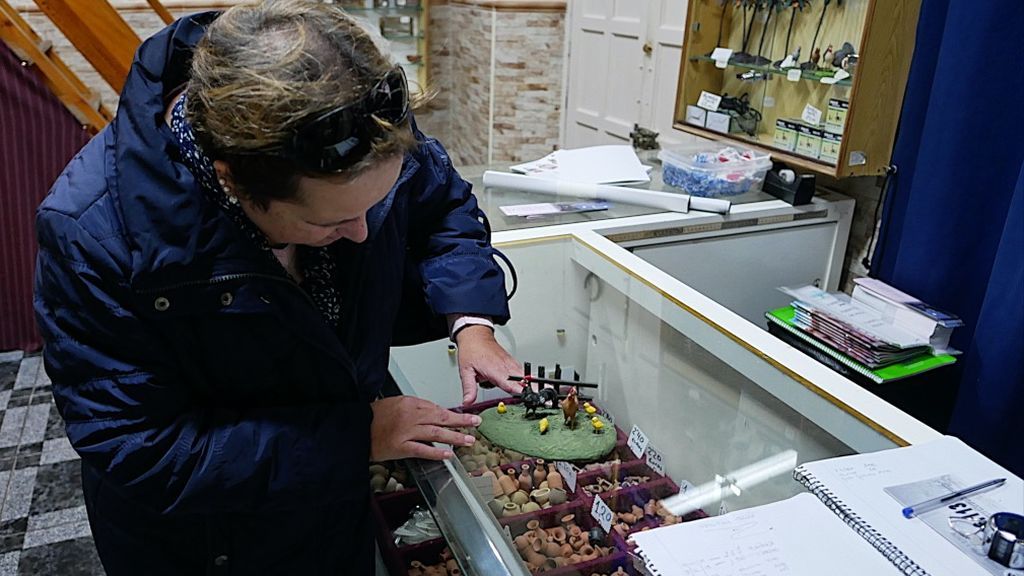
953	224
37	138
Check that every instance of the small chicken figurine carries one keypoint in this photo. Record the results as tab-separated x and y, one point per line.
590	410
569	408
543	425
826	58
501	408
597	424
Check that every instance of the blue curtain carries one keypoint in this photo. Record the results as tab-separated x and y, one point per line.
953	222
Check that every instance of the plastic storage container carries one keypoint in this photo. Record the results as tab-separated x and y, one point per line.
714	169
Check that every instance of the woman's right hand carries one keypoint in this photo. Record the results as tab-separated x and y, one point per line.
403	426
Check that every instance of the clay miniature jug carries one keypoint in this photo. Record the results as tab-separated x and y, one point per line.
520	497
554	478
497	507
539	473
540	495
416	568
530	507
557	496
510	509
525	478
507	482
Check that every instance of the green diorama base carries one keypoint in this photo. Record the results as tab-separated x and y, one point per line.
514	431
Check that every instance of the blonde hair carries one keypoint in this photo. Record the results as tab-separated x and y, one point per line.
262	69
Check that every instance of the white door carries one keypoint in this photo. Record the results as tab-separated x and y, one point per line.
623	69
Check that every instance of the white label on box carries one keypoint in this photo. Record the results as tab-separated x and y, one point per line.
721	57
811	115
696	115
637	441
709	101
718	122
405	19
793	75
568	473
602	513
655	460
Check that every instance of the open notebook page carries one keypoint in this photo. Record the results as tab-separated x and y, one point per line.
794	537
859	482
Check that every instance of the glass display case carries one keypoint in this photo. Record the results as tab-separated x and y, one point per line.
817	84
719	403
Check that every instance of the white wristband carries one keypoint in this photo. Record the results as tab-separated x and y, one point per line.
458	322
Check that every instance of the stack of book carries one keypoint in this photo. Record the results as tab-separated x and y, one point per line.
878	335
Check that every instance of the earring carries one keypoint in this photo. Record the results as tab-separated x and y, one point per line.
232	199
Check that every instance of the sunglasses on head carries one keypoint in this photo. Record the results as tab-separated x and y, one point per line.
339	138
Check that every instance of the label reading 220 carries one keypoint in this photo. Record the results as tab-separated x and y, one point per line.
602	513
637	442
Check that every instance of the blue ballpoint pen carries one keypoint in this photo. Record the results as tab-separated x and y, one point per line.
939	502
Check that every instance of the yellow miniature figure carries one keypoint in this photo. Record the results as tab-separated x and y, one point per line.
501	408
543	426
597	424
590	410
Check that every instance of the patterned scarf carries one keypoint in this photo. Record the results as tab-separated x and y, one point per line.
319	269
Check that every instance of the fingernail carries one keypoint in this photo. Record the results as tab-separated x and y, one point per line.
475	421
469	439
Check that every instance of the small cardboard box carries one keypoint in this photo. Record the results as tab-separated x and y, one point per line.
696	115
835	116
830	144
785	134
718	122
808	141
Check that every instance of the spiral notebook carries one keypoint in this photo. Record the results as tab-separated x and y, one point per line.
846	525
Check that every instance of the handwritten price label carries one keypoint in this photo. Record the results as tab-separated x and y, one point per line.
811	115
637	442
602	513
709	101
568	473
655	460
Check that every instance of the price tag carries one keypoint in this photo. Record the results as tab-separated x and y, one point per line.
568	473
637	442
722	509
655	460
405	19
709	101
602	513
811	115
721	57
793	75
839	75
685	486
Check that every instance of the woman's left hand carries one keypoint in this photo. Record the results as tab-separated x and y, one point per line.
482	359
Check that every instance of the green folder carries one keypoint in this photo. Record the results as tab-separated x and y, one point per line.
783	318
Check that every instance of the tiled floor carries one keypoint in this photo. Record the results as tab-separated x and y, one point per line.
43	525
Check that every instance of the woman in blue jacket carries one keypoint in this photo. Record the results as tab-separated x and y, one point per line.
221	274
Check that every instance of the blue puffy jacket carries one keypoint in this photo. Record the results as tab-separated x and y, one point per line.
223	426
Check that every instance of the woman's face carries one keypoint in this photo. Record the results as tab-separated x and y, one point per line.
326	209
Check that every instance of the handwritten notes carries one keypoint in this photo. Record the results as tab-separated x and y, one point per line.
602	513
568	472
637	441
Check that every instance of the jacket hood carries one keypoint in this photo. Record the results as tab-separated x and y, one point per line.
176	235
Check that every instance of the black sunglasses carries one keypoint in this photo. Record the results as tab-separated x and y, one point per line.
339	138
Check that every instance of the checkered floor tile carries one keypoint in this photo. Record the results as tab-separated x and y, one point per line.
43	525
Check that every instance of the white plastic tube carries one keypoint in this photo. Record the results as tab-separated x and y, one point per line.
650	198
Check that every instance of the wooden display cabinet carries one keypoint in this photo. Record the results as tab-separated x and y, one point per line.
882	32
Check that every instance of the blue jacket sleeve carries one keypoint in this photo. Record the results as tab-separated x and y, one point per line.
129	411
457	262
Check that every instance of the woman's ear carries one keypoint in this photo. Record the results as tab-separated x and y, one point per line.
227	183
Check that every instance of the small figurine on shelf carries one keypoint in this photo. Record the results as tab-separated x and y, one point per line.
501	408
543	425
812	62
790	61
569	408
794	5
589	409
597	424
826	58
842	54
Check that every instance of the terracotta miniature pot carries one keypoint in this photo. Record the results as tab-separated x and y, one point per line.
520	497
530	507
491	459
533	525
521	542
628	517
510	509
540	495
508	485
416	568
525	478
534	559
587	551
554	478
637	511
539	474
568	522
615	473
552	549
557	496
557	534
435	570
377	483
378	470
392	485
496	507
575	531
565	550
453	567
560	561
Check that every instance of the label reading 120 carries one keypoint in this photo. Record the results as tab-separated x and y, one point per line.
568	473
637	442
602	513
